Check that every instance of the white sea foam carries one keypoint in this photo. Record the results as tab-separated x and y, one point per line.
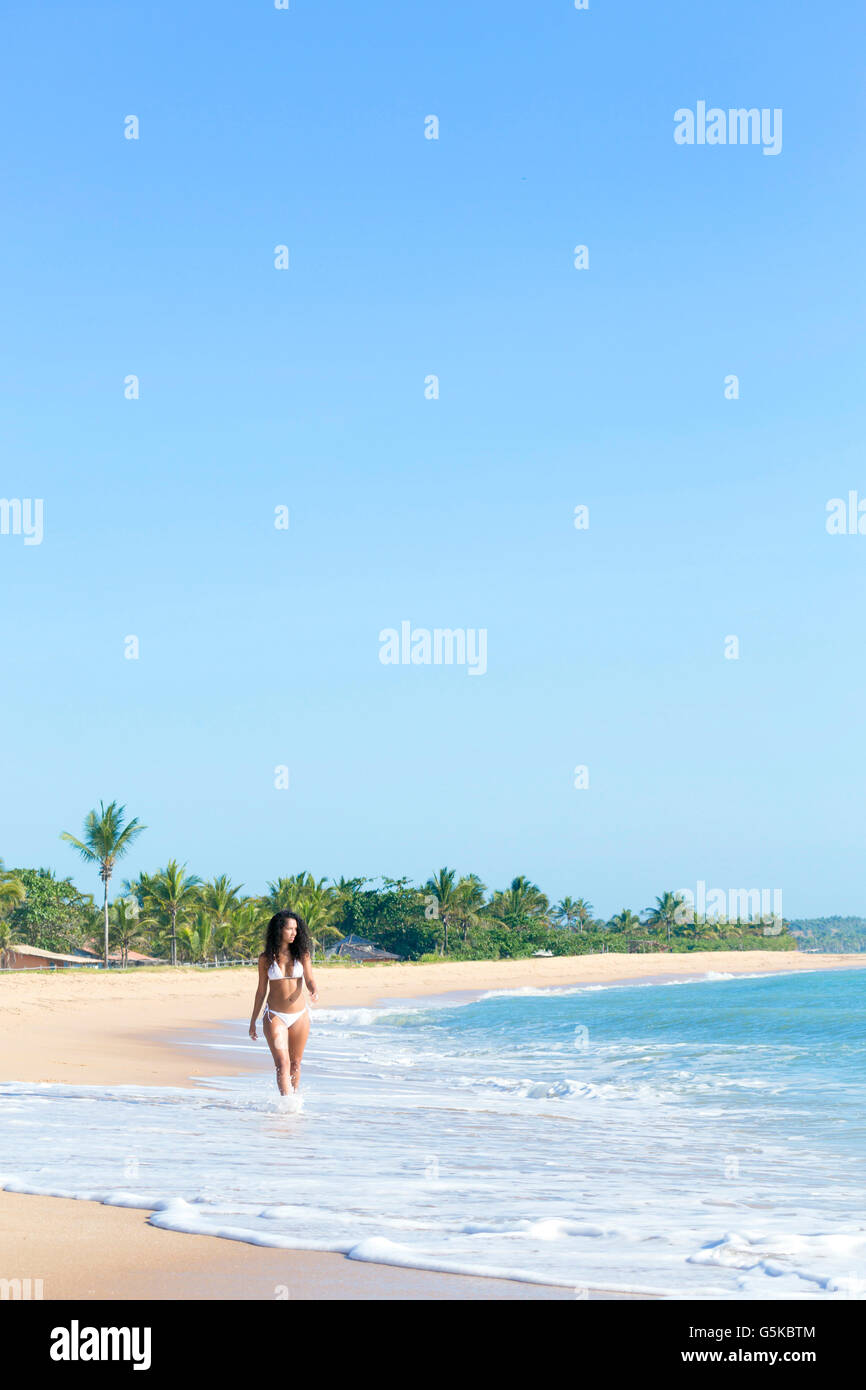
706	977
789	1254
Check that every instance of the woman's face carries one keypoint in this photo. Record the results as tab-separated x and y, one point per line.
290	931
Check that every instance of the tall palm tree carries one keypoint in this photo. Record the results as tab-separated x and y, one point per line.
666	913
106	839
442	888
584	912
173	891
564	913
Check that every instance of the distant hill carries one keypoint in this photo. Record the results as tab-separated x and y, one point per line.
830	933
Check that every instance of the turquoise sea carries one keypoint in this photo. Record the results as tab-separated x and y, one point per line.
701	1138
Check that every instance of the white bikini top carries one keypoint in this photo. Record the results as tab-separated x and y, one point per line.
275	973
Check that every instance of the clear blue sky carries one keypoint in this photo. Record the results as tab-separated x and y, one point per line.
306	388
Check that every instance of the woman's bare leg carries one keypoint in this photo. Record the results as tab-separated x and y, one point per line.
277	1036
298	1034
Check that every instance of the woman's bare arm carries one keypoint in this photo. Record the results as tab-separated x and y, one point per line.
308	978
261	991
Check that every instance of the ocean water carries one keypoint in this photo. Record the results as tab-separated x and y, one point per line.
694	1139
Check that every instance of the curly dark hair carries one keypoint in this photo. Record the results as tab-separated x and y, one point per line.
303	942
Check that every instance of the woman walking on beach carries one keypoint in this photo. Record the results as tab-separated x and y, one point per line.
285	965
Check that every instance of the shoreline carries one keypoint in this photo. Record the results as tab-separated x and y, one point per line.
123	1027
58	1027
84	1250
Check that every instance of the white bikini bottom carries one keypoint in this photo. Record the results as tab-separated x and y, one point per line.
287	1019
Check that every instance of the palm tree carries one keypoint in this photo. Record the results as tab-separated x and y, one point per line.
521	900
12	891
700	925
625	921
146	911
195	937
584	912
469	902
568	913
283	892
441	887
244	932
8	937
565	913
126	926
320	926
666	912
173	891
106	839
346	888
219	899
317	902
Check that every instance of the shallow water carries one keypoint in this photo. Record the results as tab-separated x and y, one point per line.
700	1138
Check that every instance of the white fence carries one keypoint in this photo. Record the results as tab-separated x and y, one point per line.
86	964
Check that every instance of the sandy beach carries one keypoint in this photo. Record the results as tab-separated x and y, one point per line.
125	1027
81	1025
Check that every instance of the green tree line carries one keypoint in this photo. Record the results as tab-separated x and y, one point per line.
832	934
177	917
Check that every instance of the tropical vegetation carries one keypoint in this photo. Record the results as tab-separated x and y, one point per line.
830	934
173	916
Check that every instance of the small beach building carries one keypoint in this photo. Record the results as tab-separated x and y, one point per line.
91	955
20	956
356	949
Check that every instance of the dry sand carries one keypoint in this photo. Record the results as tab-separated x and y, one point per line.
86	1026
